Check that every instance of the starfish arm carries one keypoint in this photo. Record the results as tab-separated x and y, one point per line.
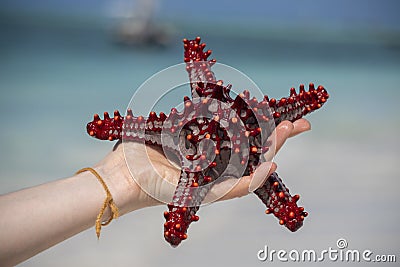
297	105
198	66
275	195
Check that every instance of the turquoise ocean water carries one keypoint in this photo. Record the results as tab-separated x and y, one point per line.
52	79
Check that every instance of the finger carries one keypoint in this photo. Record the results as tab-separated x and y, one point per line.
259	176
283	131
242	187
300	126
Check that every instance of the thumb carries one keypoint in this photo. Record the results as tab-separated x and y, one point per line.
243	186
261	174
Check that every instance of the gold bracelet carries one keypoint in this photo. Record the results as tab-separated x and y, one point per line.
108	202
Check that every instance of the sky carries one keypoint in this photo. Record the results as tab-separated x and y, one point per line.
380	14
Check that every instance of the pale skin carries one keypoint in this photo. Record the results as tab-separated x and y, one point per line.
36	218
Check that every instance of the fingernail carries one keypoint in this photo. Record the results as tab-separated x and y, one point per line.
302	125
286	125
259	176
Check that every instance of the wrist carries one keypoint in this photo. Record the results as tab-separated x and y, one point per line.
121	186
126	193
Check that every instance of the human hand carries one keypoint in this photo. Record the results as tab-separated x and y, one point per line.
74	202
151	177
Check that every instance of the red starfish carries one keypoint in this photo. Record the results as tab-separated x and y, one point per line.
238	128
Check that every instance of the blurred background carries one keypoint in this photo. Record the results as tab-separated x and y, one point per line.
62	61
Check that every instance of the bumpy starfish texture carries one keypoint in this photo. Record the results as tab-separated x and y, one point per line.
215	137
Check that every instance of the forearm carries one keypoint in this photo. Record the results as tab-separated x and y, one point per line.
37	218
